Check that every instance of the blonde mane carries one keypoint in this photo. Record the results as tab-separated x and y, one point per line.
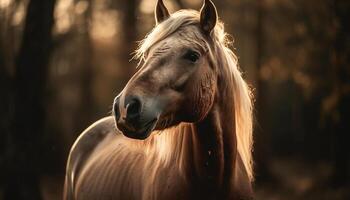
167	145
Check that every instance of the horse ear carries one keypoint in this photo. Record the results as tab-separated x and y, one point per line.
161	13
208	16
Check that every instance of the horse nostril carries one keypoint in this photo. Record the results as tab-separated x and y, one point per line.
133	108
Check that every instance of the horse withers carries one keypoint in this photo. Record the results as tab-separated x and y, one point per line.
182	126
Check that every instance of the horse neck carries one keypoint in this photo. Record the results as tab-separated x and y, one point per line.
214	146
214	139
209	147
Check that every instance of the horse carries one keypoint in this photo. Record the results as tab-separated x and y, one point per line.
182	126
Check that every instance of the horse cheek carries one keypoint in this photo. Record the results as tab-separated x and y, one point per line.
204	97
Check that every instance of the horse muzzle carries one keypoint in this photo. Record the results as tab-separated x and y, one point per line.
132	118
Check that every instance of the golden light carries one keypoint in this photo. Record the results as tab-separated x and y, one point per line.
302	79
194	3
5	3
104	24
81	7
63	19
147	6
19	15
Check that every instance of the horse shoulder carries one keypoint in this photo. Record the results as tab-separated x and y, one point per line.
82	148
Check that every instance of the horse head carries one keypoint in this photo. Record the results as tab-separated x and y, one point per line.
177	80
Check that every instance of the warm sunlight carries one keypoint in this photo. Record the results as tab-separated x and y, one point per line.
147	6
104	24
4	3
19	15
81	7
62	16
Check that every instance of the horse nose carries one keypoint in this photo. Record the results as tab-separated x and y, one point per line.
133	108
116	107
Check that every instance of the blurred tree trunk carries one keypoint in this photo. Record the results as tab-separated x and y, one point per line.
86	113
261	148
341	59
5	106
22	179
129	10
129	26
5	88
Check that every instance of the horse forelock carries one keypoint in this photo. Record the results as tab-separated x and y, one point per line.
166	144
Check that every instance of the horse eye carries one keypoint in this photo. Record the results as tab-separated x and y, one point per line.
191	56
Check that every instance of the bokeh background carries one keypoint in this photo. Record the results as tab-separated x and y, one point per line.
63	61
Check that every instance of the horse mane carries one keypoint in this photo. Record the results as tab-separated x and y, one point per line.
166	145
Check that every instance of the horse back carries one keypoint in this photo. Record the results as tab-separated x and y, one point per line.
81	150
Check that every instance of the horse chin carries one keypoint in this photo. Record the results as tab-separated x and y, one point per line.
167	122
141	134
